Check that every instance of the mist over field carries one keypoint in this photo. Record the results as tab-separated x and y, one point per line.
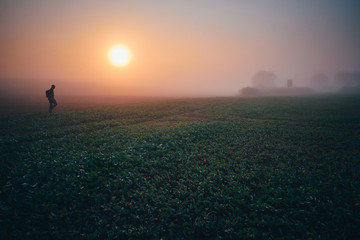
206	119
178	49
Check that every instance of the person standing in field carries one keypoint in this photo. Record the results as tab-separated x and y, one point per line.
50	96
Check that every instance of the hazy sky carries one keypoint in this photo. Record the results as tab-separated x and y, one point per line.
205	47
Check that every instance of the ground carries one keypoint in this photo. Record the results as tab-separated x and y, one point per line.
216	168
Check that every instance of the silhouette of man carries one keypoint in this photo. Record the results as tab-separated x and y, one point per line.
50	96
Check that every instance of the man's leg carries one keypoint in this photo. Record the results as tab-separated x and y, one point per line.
50	106
54	103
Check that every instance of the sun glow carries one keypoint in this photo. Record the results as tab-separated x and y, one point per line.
119	55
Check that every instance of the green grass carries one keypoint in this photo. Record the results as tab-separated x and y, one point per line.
220	168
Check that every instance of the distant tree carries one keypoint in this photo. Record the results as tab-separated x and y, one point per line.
319	81
348	81
264	79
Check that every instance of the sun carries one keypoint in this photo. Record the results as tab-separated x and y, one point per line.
119	55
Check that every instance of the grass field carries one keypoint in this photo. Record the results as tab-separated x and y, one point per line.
218	168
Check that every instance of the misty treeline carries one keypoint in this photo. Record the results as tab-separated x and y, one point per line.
265	83
348	81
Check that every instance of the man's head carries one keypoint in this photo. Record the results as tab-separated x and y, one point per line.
53	86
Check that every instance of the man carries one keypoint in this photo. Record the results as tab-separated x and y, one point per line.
50	97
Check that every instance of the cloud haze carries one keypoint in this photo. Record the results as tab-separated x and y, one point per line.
178	47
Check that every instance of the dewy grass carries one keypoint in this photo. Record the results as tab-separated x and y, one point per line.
221	168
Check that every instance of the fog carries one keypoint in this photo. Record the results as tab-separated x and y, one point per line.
179	48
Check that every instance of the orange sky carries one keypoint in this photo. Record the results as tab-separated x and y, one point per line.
178	48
